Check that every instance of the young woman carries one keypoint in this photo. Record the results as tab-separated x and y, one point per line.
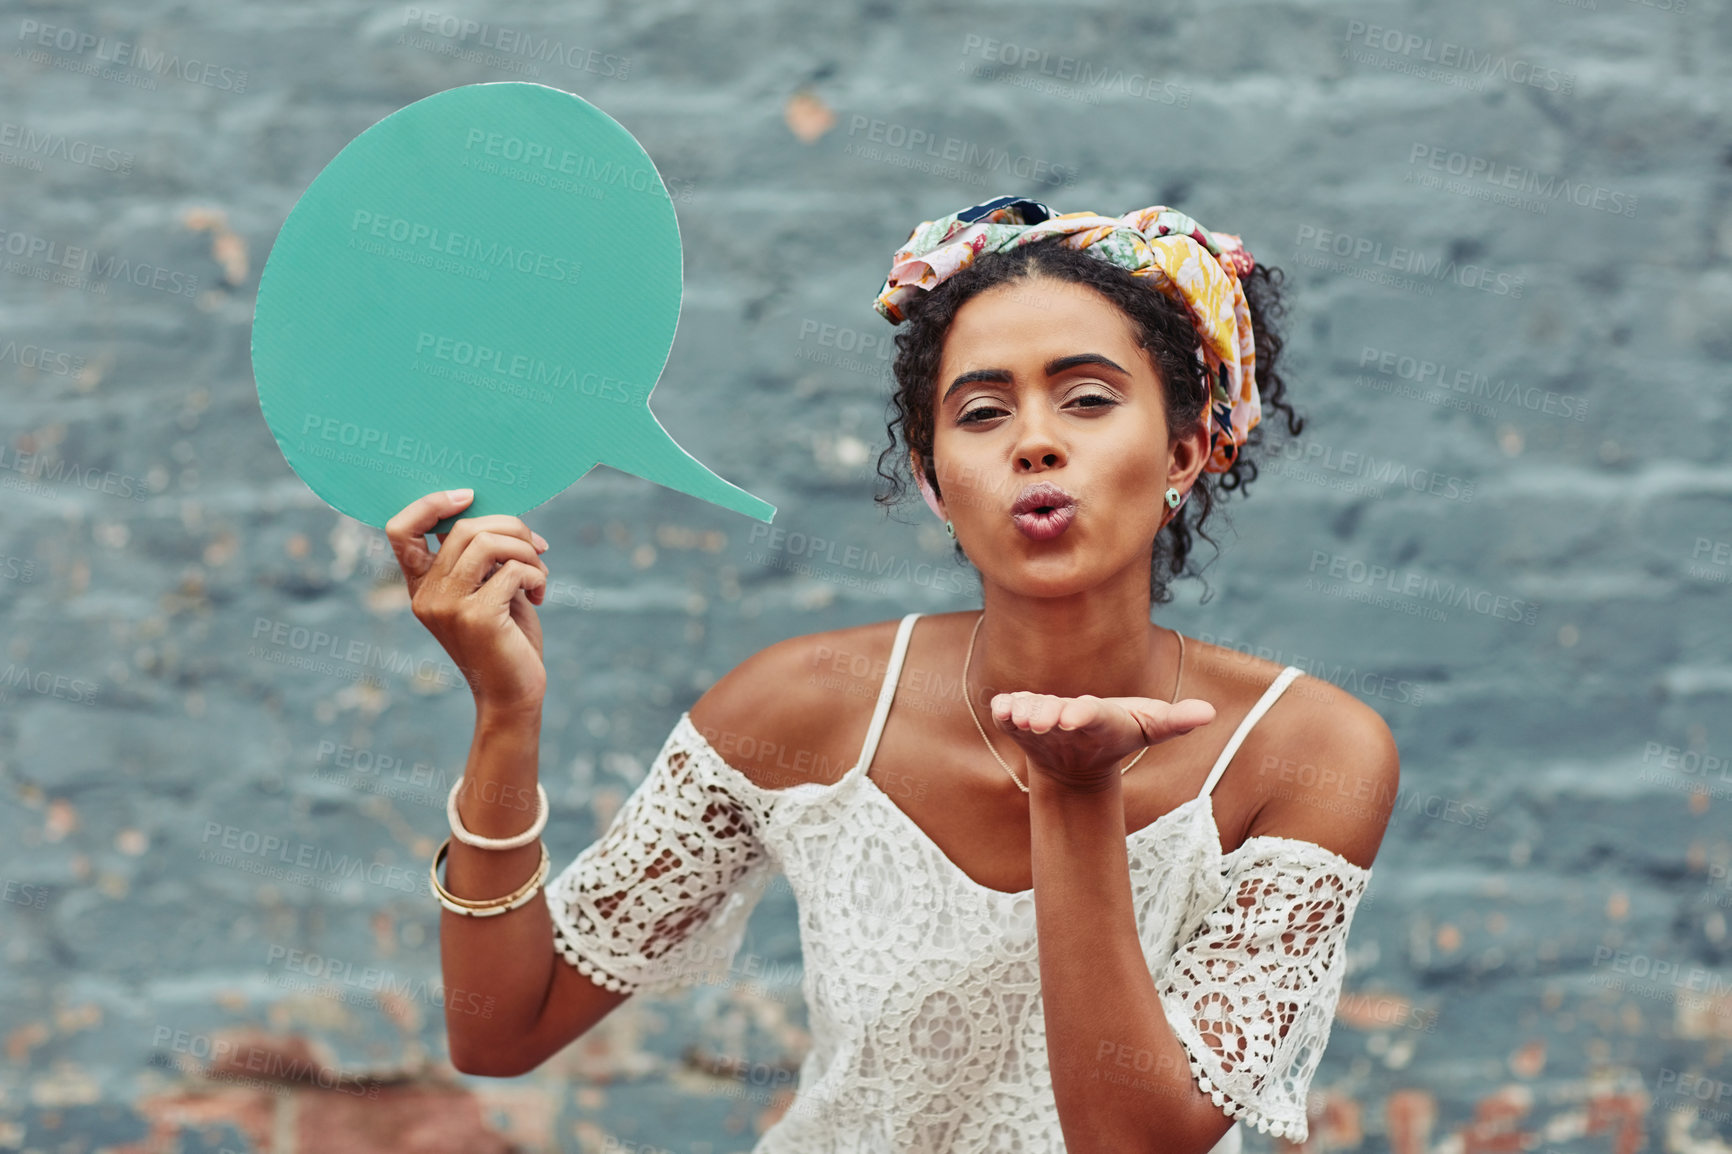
1061	885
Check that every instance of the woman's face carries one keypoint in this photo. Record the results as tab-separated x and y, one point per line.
1043	380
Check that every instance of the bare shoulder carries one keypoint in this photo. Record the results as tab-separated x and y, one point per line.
797	711
1341	787
1328	766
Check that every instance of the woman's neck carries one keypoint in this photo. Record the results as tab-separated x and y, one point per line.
1068	647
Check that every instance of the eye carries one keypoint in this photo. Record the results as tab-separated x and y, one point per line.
972	416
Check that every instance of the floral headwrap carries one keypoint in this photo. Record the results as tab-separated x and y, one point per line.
1198	268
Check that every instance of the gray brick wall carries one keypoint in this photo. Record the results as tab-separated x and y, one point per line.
1505	227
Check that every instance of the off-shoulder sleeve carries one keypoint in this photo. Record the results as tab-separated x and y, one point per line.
1251	994
661	899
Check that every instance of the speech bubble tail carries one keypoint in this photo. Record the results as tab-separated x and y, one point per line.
662	460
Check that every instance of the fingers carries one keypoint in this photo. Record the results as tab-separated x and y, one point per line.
498	522
514	575
1040	712
486	549
408	530
1159	720
408	534
1190	712
466	530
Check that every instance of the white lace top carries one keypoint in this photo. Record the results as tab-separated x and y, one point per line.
923	986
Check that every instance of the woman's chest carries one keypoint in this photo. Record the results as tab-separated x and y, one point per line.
877	888
970	811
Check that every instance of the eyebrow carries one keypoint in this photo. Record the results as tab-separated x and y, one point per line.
1053	368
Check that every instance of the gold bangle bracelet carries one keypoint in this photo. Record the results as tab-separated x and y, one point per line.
491	906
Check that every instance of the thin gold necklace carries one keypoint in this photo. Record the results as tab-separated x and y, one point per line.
970	702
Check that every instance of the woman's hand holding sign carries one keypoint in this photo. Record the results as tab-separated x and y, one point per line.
477	596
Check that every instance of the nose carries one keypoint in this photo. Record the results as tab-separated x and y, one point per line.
1037	445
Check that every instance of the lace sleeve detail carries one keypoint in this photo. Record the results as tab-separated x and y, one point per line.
1251	995
661	899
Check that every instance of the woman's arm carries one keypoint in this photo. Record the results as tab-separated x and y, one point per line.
1121	1077
510	1001
522	985
477	595
640	906
1119	1074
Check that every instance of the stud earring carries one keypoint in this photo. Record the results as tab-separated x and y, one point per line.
951	529
1173	498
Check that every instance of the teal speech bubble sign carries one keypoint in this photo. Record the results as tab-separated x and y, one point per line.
479	291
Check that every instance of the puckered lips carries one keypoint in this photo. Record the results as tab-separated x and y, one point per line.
1043	511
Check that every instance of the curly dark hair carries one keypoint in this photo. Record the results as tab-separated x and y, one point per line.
1164	332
